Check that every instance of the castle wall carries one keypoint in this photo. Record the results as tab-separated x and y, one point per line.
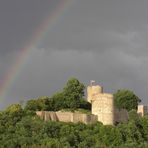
88	119
67	117
121	115
78	117
64	116
41	114
142	110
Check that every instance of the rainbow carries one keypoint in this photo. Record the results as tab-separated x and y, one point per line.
24	54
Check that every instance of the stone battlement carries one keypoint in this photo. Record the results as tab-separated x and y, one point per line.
106	95
67	117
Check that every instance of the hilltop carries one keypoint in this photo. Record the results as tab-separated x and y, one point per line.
21	127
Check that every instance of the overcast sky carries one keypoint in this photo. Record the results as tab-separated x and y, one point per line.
102	40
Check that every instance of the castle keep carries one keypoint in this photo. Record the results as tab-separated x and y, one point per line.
103	106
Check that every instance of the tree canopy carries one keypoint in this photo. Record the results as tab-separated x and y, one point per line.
71	96
74	89
27	130
126	99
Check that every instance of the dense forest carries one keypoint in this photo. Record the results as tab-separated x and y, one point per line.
21	128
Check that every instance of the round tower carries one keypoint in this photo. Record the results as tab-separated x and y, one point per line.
93	90
103	107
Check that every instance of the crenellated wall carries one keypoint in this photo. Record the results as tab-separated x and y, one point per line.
93	90
67	117
121	115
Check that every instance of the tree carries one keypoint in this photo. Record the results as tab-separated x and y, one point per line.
14	108
73	93
74	89
42	103
133	116
58	101
14	112
126	99
71	97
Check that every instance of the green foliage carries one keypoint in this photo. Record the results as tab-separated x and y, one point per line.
42	103
30	131
14	108
59	101
126	99
71	96
133	115
144	126
74	89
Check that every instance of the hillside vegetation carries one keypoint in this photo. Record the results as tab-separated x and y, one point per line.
21	128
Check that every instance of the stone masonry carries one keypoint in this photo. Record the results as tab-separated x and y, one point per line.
67	117
103	106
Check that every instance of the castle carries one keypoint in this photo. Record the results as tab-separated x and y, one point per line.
102	110
103	106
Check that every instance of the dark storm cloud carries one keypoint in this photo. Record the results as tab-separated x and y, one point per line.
103	25
47	73
19	19
104	40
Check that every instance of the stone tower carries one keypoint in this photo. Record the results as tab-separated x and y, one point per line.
102	104
142	110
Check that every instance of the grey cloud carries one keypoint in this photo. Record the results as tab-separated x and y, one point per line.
105	40
47	72
130	42
19	19
101	26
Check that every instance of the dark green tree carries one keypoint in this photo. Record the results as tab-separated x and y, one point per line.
73	92
74	89
42	103
14	108
133	116
71	97
58	101
126	99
